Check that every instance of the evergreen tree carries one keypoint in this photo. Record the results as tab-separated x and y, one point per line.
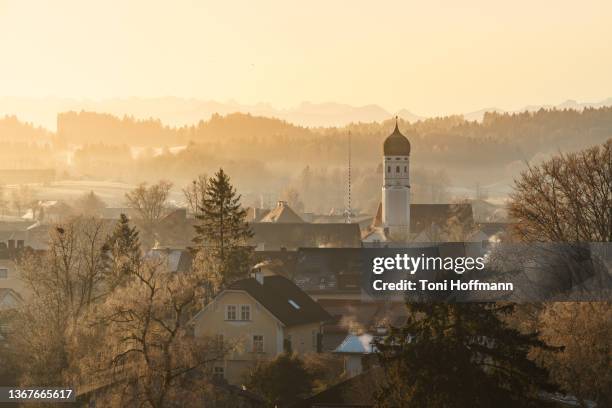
460	355
222	231
123	246
282	381
90	204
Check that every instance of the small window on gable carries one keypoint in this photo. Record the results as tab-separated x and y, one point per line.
245	312
231	312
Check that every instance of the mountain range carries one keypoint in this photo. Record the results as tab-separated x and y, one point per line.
176	111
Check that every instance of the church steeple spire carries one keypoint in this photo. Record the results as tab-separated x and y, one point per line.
396	144
396	184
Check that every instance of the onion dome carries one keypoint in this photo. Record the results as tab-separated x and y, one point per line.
396	144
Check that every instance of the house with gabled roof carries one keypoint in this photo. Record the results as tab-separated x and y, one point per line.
282	213
260	318
428	223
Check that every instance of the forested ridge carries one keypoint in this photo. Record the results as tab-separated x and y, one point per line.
267	155
500	136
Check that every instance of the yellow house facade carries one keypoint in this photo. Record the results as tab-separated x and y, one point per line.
260	318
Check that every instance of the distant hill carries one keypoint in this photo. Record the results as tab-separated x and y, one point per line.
182	111
569	104
173	111
409	116
479	114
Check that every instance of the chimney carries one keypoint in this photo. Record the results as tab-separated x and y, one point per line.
258	275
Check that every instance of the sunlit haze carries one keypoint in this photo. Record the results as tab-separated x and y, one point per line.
434	57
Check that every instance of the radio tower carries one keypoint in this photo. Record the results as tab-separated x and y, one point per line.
349	211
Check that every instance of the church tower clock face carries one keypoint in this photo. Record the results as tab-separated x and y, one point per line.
396	184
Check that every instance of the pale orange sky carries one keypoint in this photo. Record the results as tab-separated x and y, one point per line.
431	57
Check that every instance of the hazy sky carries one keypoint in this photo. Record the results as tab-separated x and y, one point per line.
431	57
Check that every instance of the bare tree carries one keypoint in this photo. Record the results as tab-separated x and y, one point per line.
149	339
90	205
566	199
63	283
569	199
206	266
4	204
583	330
23	197
457	231
150	202
73	267
194	193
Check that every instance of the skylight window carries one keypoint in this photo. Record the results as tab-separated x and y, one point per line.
295	305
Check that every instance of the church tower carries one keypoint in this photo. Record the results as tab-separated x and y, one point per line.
396	185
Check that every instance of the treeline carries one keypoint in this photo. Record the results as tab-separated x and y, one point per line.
83	128
501	137
268	155
22	145
241	135
13	130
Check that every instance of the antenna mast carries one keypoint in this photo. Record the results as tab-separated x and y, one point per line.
349	210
